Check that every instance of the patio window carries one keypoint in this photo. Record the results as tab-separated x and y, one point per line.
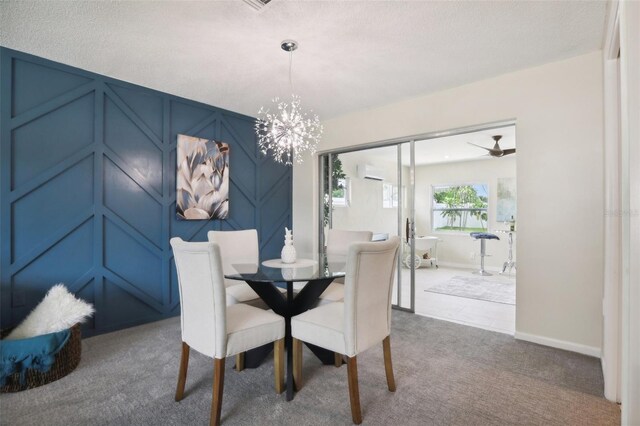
460	208
389	196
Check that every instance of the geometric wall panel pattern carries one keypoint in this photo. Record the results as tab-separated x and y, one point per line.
87	186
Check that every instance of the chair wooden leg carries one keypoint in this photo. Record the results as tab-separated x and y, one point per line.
297	363
218	386
337	359
278	364
388	367
182	374
240	361
354	392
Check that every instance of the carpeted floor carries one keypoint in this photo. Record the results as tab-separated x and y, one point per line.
492	289
446	374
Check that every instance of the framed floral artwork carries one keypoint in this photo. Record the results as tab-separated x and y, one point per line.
202	181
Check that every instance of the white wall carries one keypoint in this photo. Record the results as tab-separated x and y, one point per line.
559	130
366	212
459	249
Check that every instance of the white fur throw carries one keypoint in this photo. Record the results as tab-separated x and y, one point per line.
58	311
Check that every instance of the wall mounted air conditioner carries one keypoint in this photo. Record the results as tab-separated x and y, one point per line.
367	171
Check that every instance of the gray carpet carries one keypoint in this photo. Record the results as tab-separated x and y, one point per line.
478	287
446	374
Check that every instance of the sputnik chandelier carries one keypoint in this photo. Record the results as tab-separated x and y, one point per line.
288	131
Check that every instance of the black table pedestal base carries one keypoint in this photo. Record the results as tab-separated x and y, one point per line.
327	357
254	357
288	306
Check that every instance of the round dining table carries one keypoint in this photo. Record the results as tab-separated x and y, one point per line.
312	275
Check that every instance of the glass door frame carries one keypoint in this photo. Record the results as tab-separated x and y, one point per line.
325	172
412	229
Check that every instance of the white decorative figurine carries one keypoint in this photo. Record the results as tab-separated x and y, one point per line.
288	253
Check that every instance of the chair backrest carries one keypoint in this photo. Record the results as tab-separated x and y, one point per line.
236	247
203	310
368	284
339	240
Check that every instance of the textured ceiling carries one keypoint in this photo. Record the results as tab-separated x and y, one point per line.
353	54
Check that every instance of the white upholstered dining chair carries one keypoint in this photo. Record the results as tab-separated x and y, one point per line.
211	327
238	247
338	242
362	320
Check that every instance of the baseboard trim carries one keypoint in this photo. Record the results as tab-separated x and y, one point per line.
560	344
468	324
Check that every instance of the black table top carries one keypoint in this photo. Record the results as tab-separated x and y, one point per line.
307	268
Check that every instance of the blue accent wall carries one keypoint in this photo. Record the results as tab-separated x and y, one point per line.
87	186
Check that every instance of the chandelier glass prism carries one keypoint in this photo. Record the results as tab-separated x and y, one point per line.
286	130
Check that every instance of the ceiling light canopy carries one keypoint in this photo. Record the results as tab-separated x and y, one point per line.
287	131
257	4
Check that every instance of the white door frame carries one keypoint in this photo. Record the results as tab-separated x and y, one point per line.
626	386
612	279
629	13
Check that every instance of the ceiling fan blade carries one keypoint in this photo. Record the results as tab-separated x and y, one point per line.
508	151
479	146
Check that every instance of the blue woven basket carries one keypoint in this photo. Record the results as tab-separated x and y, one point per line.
65	362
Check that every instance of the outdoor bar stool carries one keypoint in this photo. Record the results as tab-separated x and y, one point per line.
483	236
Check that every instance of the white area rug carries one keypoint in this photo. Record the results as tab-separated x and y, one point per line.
476	287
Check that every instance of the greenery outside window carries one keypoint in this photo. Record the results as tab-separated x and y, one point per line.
336	175
340	194
460	208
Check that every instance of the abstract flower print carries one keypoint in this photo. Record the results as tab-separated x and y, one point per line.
202	182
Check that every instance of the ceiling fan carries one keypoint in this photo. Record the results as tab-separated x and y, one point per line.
496	151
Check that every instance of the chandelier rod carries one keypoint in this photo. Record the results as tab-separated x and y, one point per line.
290	46
290	72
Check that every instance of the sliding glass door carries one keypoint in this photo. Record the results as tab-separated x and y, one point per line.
432	191
371	190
